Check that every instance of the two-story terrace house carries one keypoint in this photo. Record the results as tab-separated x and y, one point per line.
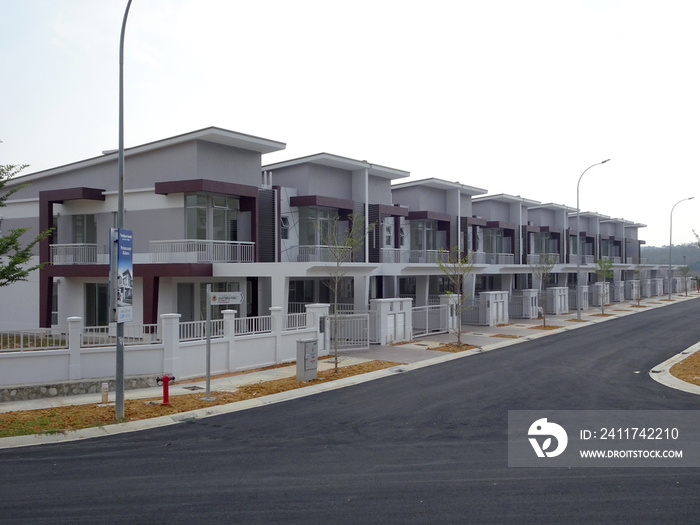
439	218
503	241
325	191
194	202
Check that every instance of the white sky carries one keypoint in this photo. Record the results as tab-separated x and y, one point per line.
512	96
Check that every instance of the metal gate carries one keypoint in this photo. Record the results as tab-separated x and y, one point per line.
430	320
351	331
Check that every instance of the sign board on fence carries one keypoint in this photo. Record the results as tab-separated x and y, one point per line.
218	298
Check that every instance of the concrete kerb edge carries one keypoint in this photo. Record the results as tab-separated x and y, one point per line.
661	373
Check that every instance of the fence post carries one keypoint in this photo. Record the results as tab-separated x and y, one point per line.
230	334
314	313
378	309
75	330
277	327
449	305
171	344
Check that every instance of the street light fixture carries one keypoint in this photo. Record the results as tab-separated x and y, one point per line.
578	235
670	245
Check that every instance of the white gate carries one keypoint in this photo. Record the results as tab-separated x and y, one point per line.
349	331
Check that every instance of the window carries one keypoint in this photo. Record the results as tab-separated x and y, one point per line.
84	229
96	304
423	235
495	241
284	227
211	217
402	236
389	232
54	304
315	225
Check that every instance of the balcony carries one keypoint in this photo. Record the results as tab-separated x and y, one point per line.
201	251
321	253
537	258
79	254
499	258
585	259
394	255
427	256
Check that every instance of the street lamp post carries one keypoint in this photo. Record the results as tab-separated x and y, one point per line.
578	235
119	373
670	245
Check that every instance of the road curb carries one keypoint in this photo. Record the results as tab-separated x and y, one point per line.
661	373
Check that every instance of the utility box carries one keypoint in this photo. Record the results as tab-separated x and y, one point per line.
307	359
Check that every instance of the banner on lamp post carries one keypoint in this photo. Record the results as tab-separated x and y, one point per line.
125	276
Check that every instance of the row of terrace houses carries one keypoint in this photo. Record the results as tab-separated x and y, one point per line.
205	209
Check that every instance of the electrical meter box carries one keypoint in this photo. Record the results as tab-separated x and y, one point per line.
307	359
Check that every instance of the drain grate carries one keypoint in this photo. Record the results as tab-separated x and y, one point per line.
193	388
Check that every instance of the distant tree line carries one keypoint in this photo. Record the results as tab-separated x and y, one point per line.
683	254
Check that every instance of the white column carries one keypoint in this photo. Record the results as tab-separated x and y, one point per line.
75	328
171	344
230	334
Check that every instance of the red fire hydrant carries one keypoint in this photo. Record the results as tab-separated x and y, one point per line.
166	391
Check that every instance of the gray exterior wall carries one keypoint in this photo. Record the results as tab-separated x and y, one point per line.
219	162
380	191
421	198
165	223
466	207
190	160
492	210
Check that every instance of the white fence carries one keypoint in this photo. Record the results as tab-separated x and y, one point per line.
171	347
254	325
106	335
25	340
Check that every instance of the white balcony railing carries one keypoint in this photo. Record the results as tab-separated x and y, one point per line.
323	253
394	255
201	251
79	254
537	258
499	258
427	256
585	259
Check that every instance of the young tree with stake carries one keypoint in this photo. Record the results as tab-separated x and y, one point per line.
457	266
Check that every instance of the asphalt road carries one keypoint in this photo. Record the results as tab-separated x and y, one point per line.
426	446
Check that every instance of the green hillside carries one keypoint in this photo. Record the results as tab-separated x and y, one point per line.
686	254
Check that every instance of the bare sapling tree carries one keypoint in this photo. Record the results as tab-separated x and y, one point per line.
14	254
685	272
541	266
639	275
604	272
340	242
457	266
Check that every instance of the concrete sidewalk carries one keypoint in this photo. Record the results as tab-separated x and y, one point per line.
416	354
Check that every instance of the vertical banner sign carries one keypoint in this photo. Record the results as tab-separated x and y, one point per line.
125	276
